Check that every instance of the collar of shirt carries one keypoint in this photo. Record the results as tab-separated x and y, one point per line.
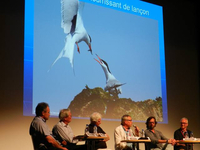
183	133
42	119
152	131
126	130
63	124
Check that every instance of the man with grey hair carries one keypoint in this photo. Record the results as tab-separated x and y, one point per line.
95	121
124	132
63	132
181	133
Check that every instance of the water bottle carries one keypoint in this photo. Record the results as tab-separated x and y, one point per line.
186	135
143	134
191	135
87	130
95	130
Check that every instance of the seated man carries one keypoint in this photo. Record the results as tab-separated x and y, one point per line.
181	133
158	140
63	132
95	121
123	132
39	131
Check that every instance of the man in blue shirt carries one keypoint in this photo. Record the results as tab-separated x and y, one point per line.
39	131
64	133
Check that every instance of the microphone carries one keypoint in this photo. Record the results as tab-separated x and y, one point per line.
134	126
138	130
141	132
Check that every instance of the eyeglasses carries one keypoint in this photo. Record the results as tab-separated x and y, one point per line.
152	122
128	120
184	123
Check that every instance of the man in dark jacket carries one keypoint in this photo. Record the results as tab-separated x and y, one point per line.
181	133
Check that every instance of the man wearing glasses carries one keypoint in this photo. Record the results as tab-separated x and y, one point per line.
123	132
158	140
181	133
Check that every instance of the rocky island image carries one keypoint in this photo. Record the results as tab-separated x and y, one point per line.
111	107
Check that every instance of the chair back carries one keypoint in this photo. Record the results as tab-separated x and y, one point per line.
37	145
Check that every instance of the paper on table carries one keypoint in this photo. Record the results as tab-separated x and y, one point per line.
191	139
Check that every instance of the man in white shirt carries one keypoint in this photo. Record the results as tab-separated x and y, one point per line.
123	132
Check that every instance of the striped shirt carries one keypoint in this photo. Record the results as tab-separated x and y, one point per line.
64	132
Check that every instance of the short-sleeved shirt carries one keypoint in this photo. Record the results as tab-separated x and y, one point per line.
154	136
39	130
64	132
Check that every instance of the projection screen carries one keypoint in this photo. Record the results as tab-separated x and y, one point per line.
95	55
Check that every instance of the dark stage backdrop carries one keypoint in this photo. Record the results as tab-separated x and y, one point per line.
182	74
